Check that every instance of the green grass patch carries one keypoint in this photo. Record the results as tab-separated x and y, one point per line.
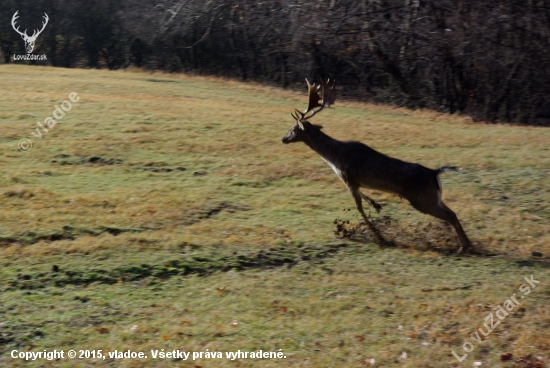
162	212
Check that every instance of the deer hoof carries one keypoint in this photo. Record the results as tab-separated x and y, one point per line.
376	206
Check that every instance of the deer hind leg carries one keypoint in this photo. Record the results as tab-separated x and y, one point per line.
372	202
437	208
356	194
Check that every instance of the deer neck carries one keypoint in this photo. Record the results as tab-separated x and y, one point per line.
327	147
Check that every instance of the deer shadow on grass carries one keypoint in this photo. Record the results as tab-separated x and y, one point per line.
435	236
425	236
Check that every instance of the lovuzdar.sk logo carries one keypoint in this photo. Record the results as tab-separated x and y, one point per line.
29	40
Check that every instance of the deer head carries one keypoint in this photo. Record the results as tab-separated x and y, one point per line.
29	40
296	133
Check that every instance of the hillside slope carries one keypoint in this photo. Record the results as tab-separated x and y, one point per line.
162	212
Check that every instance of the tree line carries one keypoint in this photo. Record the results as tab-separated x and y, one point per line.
488	59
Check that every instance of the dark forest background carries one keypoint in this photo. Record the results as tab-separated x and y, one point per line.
485	58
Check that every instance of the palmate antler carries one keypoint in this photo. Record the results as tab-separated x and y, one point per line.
329	95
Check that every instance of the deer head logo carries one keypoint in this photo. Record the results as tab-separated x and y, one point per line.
29	40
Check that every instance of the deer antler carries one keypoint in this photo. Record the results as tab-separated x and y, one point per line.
329	95
13	19
313	95
46	18
24	34
298	116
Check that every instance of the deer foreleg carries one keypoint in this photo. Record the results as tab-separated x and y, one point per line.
372	202
356	194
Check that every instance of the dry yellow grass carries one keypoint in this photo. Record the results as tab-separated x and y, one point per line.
231	131
187	165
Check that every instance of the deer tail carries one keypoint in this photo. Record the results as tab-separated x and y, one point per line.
446	168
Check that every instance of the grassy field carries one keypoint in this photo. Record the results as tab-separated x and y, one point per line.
162	212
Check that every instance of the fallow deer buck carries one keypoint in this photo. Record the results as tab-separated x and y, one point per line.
358	165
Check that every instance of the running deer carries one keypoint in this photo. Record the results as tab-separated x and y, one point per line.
358	165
